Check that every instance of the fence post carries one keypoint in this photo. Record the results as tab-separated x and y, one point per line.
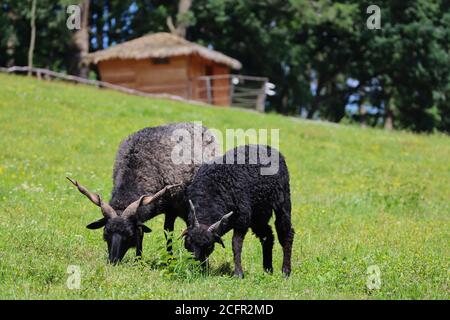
208	90
261	100
231	93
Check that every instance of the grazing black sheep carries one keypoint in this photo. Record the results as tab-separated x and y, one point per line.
236	195
148	182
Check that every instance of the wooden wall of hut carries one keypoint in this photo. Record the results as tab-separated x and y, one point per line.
220	88
148	75
174	75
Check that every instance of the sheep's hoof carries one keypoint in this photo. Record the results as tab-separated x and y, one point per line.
268	270
239	274
286	272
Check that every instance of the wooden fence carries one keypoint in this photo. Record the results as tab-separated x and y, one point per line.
48	75
236	90
241	91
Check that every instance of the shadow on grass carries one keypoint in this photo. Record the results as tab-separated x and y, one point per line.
223	269
184	267
178	265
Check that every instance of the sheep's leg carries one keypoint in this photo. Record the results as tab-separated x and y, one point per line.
140	238
238	239
169	223
287	252
285	234
265	235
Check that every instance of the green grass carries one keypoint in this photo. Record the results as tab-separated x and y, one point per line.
360	197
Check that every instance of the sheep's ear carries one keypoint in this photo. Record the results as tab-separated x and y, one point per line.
145	229
218	239
97	224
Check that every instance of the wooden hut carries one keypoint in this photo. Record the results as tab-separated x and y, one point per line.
166	63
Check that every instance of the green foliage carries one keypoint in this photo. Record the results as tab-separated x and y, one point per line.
309	49
52	35
411	60
180	264
360	197
404	67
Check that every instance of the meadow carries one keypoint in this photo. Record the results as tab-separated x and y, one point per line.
361	198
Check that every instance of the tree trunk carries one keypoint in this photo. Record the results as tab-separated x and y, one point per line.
316	101
362	110
281	100
10	51
284	103
389	116
314	106
312	110
11	41
80	43
362	116
33	35
97	12
182	23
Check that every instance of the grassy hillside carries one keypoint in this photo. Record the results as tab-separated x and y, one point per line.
361	197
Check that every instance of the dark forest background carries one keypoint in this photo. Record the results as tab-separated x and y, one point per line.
325	62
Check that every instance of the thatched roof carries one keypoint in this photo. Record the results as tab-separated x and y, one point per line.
159	45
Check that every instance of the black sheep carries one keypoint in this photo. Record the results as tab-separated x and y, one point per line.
237	195
144	172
